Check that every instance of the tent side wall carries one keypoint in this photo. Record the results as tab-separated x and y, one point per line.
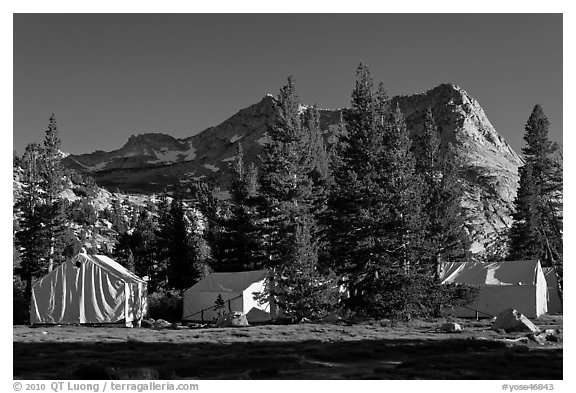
85	293
493	298
196	301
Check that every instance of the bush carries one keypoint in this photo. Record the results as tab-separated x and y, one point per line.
167	305
403	296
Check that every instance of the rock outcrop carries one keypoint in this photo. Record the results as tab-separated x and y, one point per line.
490	165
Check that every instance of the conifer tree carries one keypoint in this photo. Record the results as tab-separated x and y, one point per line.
30	238
188	252
289	170
536	232
444	224
53	184
241	244
375	205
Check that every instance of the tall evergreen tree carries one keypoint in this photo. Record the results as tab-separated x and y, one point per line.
445	233
289	171
241	243
53	184
536	232
30	236
188	253
375	204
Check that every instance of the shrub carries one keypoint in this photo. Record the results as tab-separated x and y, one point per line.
166	305
403	296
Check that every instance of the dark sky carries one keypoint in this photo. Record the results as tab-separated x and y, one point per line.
107	76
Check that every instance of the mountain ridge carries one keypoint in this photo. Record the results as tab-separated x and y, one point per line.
153	162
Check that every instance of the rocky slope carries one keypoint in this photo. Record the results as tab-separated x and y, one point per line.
490	165
153	162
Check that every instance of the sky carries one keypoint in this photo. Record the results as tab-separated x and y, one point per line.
108	76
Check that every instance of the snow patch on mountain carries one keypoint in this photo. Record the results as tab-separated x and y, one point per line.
236	138
213	168
99	166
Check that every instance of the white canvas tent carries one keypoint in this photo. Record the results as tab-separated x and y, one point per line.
554	302
513	284
237	290
88	289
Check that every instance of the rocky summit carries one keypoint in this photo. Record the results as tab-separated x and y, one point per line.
154	162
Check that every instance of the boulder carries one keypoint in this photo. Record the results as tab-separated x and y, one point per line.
232	319
513	321
147	323
451	327
161	324
537	338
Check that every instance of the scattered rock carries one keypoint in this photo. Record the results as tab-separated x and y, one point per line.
192	325
513	321
451	327
232	319
519	340
161	324
147	323
331	318
537	338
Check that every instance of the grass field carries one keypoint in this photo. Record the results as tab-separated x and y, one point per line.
371	350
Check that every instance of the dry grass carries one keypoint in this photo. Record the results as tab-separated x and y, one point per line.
372	350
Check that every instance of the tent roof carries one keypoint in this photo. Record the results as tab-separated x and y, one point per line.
109	264
228	282
494	273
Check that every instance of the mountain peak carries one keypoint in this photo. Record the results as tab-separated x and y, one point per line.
489	173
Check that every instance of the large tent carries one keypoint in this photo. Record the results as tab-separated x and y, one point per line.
554	302
88	289
513	284
237	289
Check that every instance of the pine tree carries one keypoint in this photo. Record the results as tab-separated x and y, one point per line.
445	234
536	232
53	184
33	237
240	243
188	252
284	179
289	172
375	205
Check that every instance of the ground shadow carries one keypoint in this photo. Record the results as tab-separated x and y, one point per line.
362	359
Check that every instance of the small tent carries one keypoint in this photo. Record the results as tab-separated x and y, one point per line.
513	284
88	289
238	290
554	302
